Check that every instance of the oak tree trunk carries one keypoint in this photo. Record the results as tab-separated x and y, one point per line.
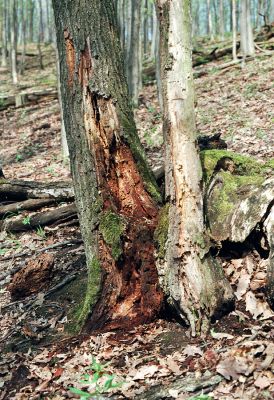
115	192
193	281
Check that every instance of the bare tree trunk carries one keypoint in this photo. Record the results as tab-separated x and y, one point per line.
4	35
209	20
31	19
41	35
193	281
24	21
234	30
145	26
221	20
134	72
13	42
154	35
247	42
115	192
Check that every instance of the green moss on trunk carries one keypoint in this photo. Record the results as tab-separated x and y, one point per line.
81	313
112	227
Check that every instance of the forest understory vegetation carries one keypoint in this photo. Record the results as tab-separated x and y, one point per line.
41	357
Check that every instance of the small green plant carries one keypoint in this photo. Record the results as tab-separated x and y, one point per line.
26	220
101	381
201	397
51	170
18	157
3	251
41	232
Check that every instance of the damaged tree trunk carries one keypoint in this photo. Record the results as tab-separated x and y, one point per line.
193	281
116	194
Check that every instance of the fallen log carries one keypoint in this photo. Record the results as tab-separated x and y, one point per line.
23	99
214	55
26	205
24	190
57	215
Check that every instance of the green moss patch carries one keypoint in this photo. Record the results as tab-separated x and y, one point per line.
161	232
112	227
245	166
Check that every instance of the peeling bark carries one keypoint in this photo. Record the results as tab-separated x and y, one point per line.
115	192
193	281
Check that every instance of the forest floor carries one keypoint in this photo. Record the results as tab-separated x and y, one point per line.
40	357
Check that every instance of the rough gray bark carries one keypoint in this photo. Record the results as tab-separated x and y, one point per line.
115	191
192	280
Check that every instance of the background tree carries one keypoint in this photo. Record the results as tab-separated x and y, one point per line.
247	42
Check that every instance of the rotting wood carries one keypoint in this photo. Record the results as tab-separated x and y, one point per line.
33	277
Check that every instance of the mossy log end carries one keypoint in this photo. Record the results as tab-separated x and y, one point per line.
239	204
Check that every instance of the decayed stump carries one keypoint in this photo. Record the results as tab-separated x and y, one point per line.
239	206
33	277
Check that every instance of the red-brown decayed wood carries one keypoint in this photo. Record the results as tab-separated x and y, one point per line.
70	56
33	277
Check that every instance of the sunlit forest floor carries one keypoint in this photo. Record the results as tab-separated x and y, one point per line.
40	356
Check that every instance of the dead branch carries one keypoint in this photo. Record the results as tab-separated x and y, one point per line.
40	219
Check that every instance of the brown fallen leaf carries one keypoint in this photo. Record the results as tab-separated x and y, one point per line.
262	382
233	367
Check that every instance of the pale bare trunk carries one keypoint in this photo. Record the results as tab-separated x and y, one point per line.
234	30
192	280
134	72
13	43
247	42
154	36
41	35
23	56
221	24
209	20
4	35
